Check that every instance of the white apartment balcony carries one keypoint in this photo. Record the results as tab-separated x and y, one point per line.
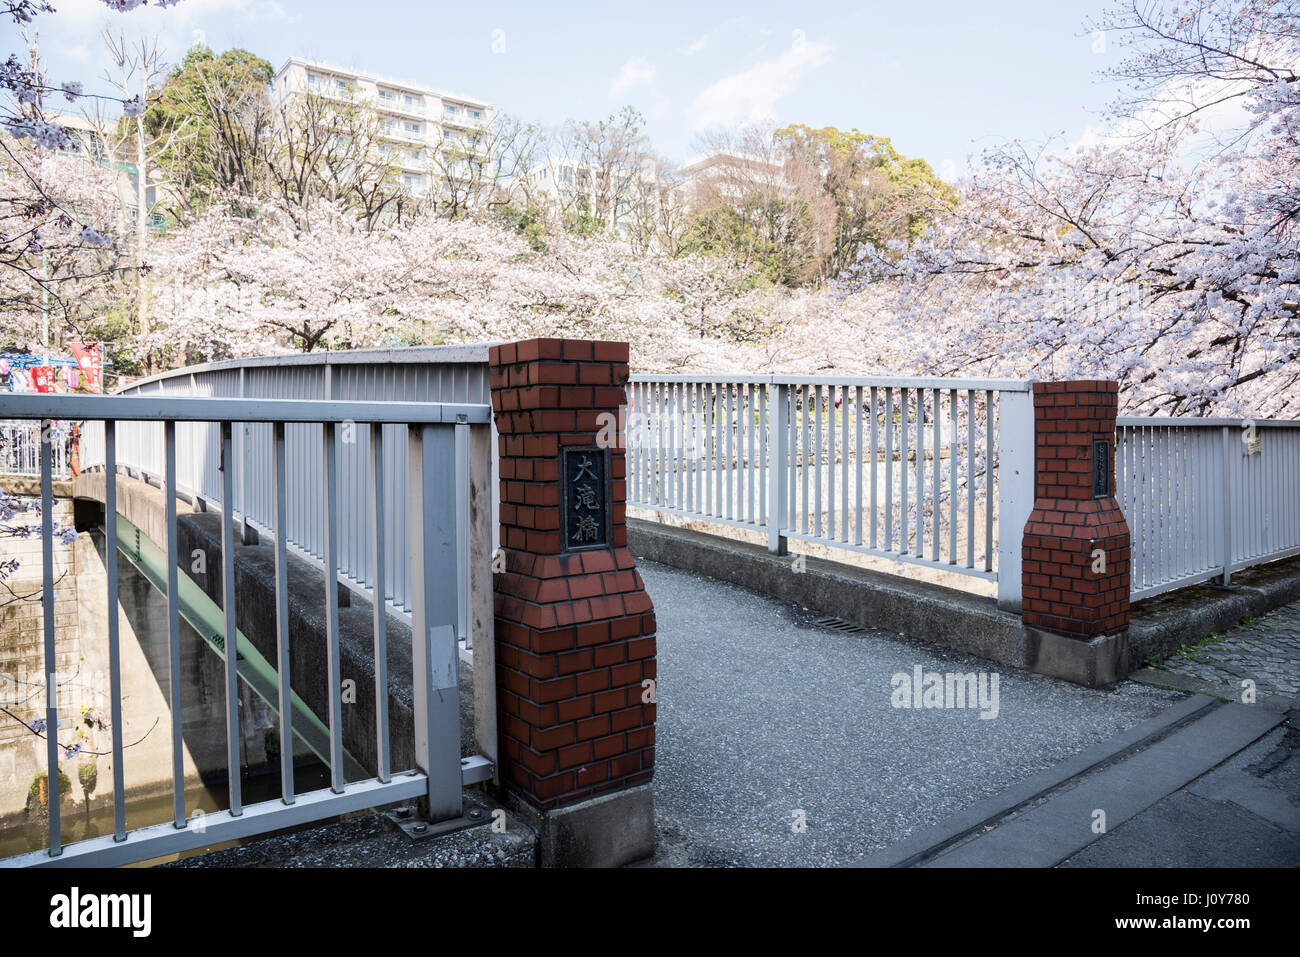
397	107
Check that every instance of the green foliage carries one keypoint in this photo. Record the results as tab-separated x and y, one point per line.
88	775
761	233
115	326
38	797
527	221
878	194
196	106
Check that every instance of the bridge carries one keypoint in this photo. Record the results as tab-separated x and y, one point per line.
426	561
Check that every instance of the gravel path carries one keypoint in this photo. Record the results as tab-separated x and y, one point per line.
764	713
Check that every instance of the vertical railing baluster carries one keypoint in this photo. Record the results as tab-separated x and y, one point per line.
52	789
285	697
830	461
751	460
379	574
330	529
462	530
970	478
889	468
952	476
844	463
764	444
1227	506
670	459
173	626
114	648
229	619
818	408
936	487
806	459
718	399
858	459
989	497
920	473
905	535
728	429
875	464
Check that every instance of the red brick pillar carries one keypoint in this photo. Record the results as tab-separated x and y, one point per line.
1075	550
575	629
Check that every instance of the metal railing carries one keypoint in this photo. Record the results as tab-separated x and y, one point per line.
20	448
1206	497
430	431
930	471
434	374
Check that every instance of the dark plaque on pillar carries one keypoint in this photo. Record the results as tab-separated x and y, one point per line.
1100	468
585	497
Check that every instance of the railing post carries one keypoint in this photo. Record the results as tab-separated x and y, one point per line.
246	535
1076	575
1227	505
575	629
1016	438
435	591
778	478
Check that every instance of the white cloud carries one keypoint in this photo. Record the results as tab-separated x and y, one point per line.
636	72
750	97
706	40
78	52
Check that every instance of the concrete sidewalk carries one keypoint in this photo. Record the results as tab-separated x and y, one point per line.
768	720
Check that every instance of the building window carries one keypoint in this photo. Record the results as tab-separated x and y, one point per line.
411	127
566	174
410	101
475	114
386	97
449	110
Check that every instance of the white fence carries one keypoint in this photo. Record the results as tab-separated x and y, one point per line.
935	472
20	448
1206	497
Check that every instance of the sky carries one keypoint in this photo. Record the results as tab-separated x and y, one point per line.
943	79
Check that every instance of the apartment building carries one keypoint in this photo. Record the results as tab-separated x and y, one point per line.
427	134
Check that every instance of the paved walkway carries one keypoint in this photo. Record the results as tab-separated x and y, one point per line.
768	720
1265	650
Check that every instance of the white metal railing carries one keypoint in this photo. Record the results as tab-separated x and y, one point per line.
1206	497
936	472
20	448
430	431
437	374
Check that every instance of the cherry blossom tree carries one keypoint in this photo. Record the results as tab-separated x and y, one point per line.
1146	257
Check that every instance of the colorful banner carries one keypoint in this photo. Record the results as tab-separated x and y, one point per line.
89	356
43	378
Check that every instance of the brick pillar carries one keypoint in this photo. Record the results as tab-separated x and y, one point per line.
1076	543
575	629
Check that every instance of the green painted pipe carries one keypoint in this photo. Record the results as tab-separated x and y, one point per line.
205	617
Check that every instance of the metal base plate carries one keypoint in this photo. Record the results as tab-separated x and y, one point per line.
408	819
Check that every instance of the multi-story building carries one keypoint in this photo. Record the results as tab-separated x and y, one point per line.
427	134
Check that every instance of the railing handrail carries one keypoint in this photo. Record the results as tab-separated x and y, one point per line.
124	408
471	353
905	382
1187	422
